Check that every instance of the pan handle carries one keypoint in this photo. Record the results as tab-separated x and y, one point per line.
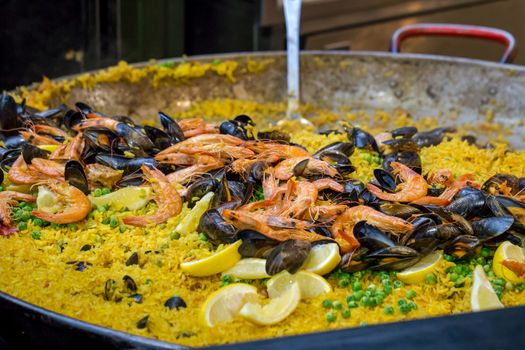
463	30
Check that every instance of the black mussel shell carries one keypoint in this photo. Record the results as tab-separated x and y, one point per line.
143	322
76	176
300	167
255	244
398	145
8	113
171	127
128	165
408	158
137	140
129	283
199	188
13	141
463	247
362	139
353	262
274	135
470	139
393	258
243	119
135	179
454	218
489	228
428	237
133	259
432	137
72	118
160	139
492	185
29	152
385	180
109	289
290	255
400	210
101	139
468	202
521	183
256	173
371	237
405	132
216	229
345	148
175	302
234	128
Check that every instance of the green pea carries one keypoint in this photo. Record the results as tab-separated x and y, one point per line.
352	304
102	209
73	227
481	260
430	279
97	192
327	303
365	301
346	313
22	226
401	301
387	290
398	284
499	281
448	257
356	286
148	281
389	310
105	221
203	237
26	216
27	208
404	309
485	252
331	316
490	274
371	288
105	191
486	268
411	294
113	221
344	282
22	204
337	305
453	276
359	295
35	235
38	222
174	235
378	300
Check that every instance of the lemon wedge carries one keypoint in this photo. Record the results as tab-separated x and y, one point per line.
249	269
49	148
190	222
310	284
47	200
131	197
507	250
224	304
482	296
216	263
323	258
276	310
416	273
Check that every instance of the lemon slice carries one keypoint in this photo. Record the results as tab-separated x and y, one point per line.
507	250
276	310
131	197
224	304
416	273
190	222
482	296
216	263
322	259
249	269
311	284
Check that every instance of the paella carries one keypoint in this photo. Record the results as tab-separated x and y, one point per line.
209	222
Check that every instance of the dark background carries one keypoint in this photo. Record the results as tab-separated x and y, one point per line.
60	37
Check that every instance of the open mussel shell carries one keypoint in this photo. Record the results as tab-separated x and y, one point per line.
171	127
256	173
385	180
101	140
8	158
160	139
454	218
74	174
400	210
463	247
493	184
218	231
343	148
243	119
72	118
274	135
506	206
290	255
8	112
199	188
235	128
128	165
255	244
489	228
29	152
432	137
134	179
354	261
393	258
137	140
409	158
426	238
371	237
300	167
362	139
402	144
468	202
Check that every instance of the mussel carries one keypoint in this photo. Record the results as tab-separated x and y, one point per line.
393	258
405	132
172	128
371	237
409	158
362	139
344	148
255	244
76	176
29	152
290	255
199	188
218	231
128	165
160	139
274	135
463	247
432	137
490	228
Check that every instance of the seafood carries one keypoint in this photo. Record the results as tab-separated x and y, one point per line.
168	200
412	188
7	200
75	204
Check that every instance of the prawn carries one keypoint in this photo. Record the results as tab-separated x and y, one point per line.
50	130
461	182
270	149
47	167
326	183
305	196
516	266
343	227
19	173
76	205
285	169
202	140
429	200
194	127
187	174
441	177
168	200
70	150
324	212
7	200
413	187
36	139
99	122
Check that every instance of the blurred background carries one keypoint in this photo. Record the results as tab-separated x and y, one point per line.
61	37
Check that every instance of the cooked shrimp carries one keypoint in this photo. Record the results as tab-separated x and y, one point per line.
285	169
76	205
516	266
106	123
47	167
7	200
184	175
51	130
202	140
19	173
305	196
324	213
196	126
36	139
326	183
343	227
441	177
282	222
169	203
243	221
461	182
270	184
70	150
277	149
429	200
413	187
176	159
